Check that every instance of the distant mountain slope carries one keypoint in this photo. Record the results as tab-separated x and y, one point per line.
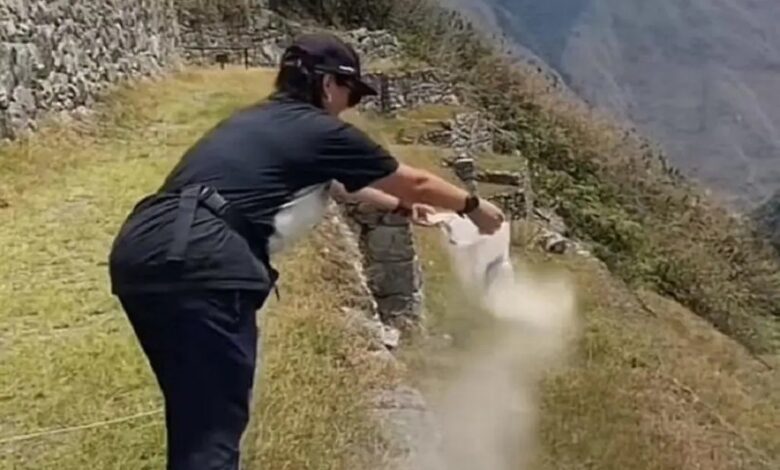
768	216
699	76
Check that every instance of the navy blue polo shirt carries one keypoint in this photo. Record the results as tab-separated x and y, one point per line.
274	162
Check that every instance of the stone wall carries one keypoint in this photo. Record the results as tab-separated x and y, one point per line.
257	32
466	133
374	45
409	90
256	37
59	56
391	264
471	133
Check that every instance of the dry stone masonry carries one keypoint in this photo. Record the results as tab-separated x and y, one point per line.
364	315
466	133
408	90
374	45
471	133
60	55
256	39
391	264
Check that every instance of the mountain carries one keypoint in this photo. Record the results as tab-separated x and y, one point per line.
700	77
768	217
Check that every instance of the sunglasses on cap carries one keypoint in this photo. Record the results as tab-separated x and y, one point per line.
344	77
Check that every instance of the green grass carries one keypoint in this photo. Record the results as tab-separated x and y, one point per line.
652	386
646	391
615	189
318	372
643	392
67	353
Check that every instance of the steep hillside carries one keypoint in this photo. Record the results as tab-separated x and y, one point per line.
644	219
650	386
697	76
768	217
677	366
648	374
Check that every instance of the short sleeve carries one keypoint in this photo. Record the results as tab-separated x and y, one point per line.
349	156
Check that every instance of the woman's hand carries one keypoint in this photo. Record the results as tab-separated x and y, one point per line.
487	217
420	214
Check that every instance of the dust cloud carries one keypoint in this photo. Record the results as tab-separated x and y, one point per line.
488	412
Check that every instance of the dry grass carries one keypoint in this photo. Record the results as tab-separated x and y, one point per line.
318	372
653	386
614	188
662	391
659	391
67	354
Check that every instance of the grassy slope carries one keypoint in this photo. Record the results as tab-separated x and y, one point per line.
647	392
67	355
653	385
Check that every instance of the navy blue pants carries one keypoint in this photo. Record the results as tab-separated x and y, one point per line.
202	347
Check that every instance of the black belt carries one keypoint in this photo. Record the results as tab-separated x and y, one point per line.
189	198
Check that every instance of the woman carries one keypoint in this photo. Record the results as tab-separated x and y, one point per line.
191	264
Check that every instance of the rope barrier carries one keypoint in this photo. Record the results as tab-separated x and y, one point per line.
54	431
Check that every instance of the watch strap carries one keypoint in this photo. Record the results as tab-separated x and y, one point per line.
471	204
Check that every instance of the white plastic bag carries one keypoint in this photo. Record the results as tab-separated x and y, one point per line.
482	262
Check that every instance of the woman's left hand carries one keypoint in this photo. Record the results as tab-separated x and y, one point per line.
420	213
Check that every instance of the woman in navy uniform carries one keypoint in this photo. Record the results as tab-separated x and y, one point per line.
191	264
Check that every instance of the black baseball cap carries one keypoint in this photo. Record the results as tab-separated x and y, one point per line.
326	53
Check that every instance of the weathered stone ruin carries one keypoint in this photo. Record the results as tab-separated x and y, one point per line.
60	56
409	90
391	264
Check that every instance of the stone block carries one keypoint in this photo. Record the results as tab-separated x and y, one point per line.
465	169
437	137
394	220
553	242
506	178
394	278
24	98
364	215
389	243
17	118
513	203
397	306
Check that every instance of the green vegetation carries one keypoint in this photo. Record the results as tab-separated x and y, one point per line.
646	222
640	383
68	354
652	386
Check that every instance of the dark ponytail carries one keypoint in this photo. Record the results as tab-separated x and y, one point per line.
298	82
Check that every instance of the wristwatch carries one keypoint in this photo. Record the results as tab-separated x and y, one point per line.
471	204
